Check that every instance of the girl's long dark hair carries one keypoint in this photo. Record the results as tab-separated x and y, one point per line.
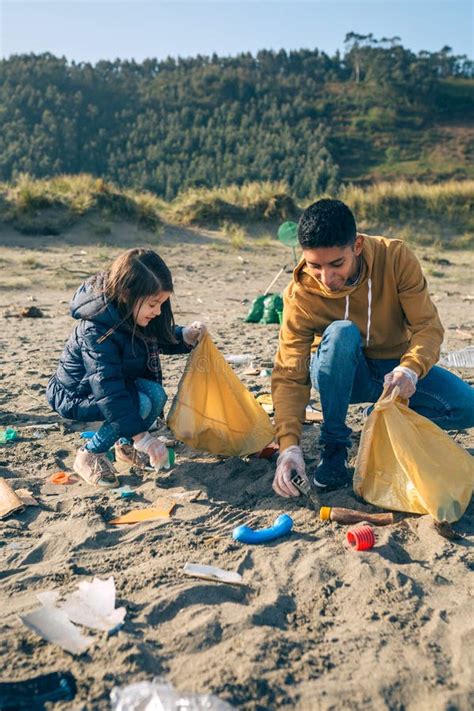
133	276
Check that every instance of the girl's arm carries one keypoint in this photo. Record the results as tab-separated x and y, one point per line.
103	363
179	347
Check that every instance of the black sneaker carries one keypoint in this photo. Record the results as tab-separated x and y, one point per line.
332	471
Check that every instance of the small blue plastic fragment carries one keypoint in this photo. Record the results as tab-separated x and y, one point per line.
281	527
126	492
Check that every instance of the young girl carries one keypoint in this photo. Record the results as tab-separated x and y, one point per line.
110	368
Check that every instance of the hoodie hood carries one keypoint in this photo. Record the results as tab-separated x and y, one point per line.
309	283
90	304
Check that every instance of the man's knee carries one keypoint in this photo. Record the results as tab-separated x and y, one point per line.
464	410
343	334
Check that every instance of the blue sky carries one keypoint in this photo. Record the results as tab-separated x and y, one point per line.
87	30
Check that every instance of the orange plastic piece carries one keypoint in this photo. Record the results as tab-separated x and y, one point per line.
162	508
61	478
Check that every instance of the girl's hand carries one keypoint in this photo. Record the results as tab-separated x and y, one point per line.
152	446
193	333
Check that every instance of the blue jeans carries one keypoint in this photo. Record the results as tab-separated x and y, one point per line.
344	376
151	400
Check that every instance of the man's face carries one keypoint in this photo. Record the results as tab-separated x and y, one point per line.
333	266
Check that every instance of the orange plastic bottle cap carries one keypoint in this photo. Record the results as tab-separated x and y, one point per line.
361	538
60	478
325	513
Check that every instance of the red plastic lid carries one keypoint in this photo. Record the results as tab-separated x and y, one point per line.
361	538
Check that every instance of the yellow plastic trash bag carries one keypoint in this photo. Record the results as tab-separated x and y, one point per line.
407	463
213	411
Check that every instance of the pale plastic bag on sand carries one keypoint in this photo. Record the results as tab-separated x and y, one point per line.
158	695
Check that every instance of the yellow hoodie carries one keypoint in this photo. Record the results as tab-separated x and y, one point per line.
390	305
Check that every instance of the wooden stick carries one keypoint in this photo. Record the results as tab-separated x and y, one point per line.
274	280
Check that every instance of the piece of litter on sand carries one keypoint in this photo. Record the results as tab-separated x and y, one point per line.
93	605
239	359
61	478
187	497
313	415
210	572
9	434
26	497
158	695
87	435
281	527
126	492
53	625
251	370
161	509
35	692
10	502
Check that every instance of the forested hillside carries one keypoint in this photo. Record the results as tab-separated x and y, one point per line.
378	111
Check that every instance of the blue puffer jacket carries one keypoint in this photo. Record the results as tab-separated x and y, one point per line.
104	374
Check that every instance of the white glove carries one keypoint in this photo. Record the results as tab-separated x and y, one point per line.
289	461
405	378
155	449
193	333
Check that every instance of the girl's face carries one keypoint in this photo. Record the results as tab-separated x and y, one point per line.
148	308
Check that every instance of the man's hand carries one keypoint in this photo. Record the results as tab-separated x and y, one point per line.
404	378
193	333
289	461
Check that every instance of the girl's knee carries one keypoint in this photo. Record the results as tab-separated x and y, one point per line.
145	405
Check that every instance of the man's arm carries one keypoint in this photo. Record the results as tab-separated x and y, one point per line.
420	313
290	379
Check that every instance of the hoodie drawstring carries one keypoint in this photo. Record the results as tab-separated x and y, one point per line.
369	311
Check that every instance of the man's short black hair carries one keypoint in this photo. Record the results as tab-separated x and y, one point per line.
327	223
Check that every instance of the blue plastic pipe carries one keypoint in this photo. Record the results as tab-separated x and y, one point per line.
281	527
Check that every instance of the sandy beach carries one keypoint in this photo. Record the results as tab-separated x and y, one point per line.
316	625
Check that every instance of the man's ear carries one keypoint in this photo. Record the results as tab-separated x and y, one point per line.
358	244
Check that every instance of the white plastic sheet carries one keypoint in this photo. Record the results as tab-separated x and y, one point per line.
92	605
53	625
157	695
210	572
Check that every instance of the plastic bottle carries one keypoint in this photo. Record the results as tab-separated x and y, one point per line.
347	516
463	358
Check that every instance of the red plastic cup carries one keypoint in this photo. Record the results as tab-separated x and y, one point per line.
361	538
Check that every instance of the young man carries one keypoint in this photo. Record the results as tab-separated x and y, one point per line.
362	305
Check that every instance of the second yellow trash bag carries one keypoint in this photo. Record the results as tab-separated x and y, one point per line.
407	463
213	411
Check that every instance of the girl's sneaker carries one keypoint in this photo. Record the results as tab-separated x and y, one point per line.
95	469
128	453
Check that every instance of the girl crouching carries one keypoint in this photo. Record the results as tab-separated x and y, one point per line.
110	368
